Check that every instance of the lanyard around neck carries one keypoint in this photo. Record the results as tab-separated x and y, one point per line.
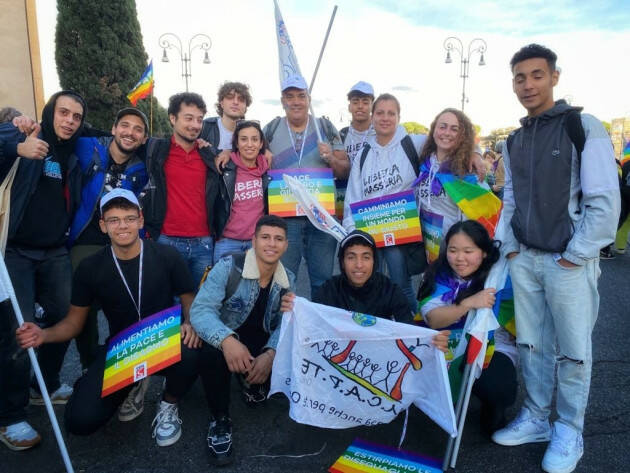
299	156
122	276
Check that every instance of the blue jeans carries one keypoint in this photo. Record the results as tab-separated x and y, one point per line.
317	247
556	309
225	246
197	252
43	276
397	267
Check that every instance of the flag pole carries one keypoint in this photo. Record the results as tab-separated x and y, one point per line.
7	285
319	60
151	114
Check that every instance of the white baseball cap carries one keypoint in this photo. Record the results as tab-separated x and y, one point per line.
294	82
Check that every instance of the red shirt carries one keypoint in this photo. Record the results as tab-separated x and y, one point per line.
186	214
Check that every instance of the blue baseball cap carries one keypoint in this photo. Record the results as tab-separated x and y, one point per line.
119	193
363	87
294	82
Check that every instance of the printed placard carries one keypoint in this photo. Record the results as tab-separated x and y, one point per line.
391	219
364	456
432	233
319	182
142	349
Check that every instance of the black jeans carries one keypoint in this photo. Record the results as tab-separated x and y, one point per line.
216	376
497	385
87	411
43	276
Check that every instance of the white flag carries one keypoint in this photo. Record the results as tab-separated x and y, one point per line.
286	55
343	369
315	212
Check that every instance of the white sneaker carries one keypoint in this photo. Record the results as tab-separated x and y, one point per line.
564	451
133	405
60	396
19	436
524	429
167	425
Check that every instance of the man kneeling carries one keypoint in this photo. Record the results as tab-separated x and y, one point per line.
237	312
131	279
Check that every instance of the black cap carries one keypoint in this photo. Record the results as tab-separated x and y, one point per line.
134	111
357	237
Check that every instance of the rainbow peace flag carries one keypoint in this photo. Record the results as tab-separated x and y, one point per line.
626	154
142	349
144	86
391	219
318	182
363	456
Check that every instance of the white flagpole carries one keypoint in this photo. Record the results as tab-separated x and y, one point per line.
7	285
321	52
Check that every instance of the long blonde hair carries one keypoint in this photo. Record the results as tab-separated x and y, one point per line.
459	160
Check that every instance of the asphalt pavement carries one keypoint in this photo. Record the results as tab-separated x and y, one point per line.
266	440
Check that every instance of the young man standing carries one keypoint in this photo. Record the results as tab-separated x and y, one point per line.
183	186
131	279
237	313
107	163
294	144
233	99
553	246
45	194
360	99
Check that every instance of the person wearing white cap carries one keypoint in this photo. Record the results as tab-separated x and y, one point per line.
360	99
294	143
130	279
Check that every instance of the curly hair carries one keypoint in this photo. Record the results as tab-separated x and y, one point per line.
229	87
458	162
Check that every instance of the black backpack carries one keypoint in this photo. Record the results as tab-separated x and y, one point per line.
408	147
575	130
236	271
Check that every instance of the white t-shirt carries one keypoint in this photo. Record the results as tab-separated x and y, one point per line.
225	141
355	140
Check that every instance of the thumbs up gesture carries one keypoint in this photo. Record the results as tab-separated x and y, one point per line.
33	147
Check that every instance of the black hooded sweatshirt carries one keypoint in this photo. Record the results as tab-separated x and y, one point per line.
47	215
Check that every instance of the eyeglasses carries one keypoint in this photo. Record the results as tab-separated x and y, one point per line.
115	221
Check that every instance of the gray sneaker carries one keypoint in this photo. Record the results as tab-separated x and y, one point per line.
133	405
167	425
60	396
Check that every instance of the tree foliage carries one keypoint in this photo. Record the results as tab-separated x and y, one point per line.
415	128
497	135
100	55
607	126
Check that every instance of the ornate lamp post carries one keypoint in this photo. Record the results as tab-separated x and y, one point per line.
171	40
453	43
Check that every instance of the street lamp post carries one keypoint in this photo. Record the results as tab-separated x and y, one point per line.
453	43
171	40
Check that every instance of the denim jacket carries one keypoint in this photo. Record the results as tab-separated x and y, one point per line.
215	319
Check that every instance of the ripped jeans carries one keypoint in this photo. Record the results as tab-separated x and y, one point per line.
556	309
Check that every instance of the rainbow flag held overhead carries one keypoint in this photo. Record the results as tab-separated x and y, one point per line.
142	349
318	182
391	219
626	154
363	456
144	87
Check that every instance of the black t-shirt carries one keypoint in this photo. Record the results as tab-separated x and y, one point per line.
92	234
252	333
46	218
164	276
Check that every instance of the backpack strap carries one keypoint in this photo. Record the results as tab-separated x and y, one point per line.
364	153
236	271
575	130
412	154
271	129
343	133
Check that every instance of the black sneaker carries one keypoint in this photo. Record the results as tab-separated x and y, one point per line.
254	394
607	253
220	439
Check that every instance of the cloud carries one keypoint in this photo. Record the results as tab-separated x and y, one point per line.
404	88
271	101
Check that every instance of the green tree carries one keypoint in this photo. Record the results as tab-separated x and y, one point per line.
497	135
415	128
606	126
99	54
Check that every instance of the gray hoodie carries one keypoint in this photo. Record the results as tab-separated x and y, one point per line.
554	201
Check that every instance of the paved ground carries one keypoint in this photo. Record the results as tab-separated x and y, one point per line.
262	433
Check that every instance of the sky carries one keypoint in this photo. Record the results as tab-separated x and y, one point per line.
396	46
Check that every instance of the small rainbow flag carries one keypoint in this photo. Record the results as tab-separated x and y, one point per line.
144	86
142	349
319	182
391	219
363	456
626	154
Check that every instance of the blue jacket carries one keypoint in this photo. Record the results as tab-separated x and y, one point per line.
94	160
215	319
